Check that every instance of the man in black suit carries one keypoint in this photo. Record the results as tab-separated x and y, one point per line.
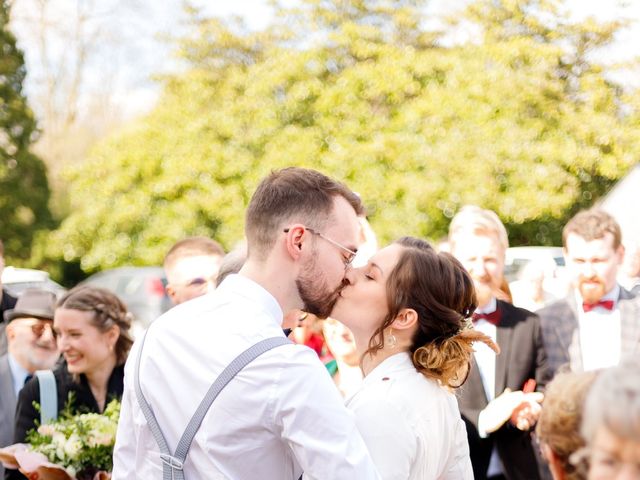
7	302
499	402
598	324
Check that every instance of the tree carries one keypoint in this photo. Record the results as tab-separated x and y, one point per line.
359	90
24	191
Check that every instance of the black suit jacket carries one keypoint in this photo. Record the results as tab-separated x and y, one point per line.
522	357
560	331
7	302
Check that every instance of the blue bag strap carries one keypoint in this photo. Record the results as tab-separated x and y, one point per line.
48	396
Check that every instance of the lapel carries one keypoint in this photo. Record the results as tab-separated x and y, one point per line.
629	323
8	400
504	334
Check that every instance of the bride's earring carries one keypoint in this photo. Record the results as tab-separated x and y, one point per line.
391	340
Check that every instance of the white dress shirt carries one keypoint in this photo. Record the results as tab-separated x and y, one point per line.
280	415
600	333
486	360
411	425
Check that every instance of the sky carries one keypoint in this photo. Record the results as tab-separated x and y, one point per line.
132	48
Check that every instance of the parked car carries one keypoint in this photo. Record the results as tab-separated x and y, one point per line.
17	280
536	275
550	259
142	289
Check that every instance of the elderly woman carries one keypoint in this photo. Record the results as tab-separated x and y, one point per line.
558	428
611	424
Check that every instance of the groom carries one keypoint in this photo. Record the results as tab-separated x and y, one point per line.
281	415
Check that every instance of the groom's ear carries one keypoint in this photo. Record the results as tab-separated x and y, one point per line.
293	240
406	318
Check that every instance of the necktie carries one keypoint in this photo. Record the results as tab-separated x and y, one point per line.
492	317
606	304
27	378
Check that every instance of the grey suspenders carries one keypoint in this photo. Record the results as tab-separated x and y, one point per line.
48	396
172	464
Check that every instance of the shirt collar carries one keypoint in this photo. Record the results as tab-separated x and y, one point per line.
245	287
18	373
490	307
389	367
612	294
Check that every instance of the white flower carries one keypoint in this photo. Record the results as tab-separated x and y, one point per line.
47	429
73	446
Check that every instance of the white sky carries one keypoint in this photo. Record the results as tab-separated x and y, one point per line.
126	69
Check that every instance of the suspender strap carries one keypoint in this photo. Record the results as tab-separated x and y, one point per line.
48	396
172	465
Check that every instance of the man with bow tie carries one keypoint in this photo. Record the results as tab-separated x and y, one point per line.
498	402
598	324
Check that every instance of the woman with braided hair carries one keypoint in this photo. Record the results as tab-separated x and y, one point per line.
408	309
91	326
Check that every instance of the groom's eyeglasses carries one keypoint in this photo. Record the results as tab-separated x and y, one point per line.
350	253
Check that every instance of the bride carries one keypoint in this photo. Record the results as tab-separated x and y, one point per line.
408	310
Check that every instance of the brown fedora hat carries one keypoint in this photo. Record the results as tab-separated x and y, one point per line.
33	303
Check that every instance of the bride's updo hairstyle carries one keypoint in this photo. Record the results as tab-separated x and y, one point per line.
441	292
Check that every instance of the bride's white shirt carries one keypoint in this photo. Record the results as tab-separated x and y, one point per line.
410	424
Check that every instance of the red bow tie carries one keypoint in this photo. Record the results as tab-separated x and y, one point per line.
606	304
493	317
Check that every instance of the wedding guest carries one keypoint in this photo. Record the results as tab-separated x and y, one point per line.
7	302
598	323
558	429
498	402
611	423
31	347
408	310
91	326
344	363
192	266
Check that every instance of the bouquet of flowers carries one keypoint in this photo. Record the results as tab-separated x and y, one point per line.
73	447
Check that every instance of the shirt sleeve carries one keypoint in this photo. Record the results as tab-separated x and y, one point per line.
124	453
321	432
390	439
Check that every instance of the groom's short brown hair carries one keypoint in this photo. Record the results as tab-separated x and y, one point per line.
292	194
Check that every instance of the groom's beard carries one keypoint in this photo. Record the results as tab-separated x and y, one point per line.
317	297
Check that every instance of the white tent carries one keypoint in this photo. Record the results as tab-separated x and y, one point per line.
623	202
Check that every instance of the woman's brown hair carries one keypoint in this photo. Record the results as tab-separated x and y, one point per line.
559	422
442	294
108	310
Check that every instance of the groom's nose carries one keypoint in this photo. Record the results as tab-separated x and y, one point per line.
349	276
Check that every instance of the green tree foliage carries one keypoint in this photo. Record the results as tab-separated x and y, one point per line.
517	119
24	191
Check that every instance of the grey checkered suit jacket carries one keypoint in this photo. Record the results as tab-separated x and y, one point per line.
560	334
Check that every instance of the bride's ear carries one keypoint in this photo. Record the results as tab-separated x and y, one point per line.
406	318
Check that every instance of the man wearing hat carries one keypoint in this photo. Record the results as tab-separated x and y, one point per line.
31	347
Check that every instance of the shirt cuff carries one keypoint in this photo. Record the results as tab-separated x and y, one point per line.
482	427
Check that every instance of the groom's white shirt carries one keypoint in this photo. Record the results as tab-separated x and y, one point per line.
281	415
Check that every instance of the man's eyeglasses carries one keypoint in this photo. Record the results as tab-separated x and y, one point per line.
38	328
351	253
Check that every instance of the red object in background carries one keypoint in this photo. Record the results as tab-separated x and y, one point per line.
529	386
315	342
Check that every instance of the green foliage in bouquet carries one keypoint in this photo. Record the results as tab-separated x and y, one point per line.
81	443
